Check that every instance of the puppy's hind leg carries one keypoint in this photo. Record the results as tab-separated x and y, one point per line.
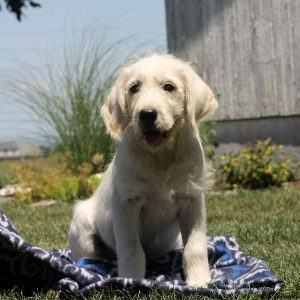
84	241
81	239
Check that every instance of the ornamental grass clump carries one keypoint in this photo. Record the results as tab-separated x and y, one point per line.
256	166
64	97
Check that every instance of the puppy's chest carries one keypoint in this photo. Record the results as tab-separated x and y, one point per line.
176	176
164	202
158	210
169	183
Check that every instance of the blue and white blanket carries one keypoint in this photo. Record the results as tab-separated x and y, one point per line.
29	267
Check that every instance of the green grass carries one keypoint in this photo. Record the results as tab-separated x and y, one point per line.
265	223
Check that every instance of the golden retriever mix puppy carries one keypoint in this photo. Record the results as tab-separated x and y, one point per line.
150	200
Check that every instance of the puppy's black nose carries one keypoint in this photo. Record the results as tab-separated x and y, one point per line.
148	117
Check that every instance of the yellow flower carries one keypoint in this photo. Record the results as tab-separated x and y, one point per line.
97	159
285	173
268	170
225	169
234	162
247	156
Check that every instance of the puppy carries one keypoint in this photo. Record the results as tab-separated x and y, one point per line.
150	200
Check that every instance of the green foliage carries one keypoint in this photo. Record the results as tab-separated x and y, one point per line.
66	96
53	183
6	172
207	132
88	182
255	166
94	181
38	185
4	180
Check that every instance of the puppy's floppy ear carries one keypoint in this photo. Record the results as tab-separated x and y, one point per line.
200	99
114	112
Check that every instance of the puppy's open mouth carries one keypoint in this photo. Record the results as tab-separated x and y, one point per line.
154	137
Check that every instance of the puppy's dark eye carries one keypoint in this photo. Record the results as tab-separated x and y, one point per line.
169	87
135	88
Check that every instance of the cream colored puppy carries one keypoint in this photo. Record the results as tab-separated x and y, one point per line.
150	200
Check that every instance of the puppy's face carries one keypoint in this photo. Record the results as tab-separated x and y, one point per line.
153	97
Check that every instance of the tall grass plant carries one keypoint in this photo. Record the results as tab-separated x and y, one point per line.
65	96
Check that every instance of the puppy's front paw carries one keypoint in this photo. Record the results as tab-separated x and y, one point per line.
199	281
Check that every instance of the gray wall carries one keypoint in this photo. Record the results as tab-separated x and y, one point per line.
282	130
247	50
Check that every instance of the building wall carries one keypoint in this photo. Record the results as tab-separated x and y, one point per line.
282	130
247	50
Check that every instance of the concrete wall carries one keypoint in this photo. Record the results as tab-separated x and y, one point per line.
282	130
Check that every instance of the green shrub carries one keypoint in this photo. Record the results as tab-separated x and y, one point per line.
207	132
42	185
255	166
87	185
59	183
94	180
4	180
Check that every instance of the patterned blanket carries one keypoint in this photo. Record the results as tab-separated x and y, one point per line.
29	267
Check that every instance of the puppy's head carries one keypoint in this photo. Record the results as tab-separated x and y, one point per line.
154	97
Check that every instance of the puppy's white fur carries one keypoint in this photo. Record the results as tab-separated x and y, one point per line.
150	200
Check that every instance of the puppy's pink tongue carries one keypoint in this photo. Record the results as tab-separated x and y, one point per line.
152	137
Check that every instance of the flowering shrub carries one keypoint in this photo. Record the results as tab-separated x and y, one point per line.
41	185
88	182
255	166
54	183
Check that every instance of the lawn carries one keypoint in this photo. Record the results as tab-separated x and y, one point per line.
265	223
